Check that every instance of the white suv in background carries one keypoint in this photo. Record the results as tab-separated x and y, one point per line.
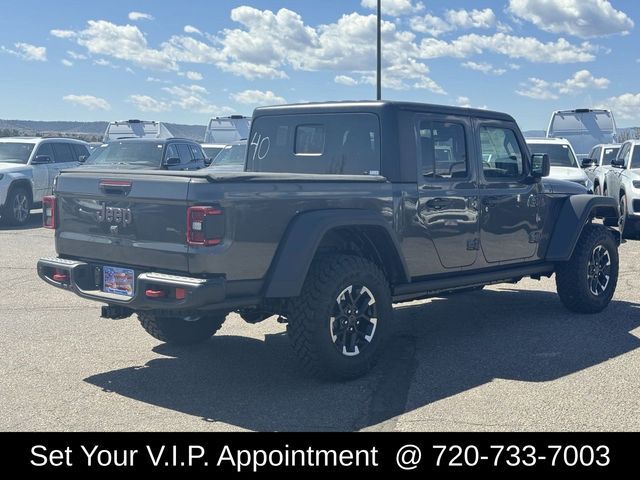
28	167
598	162
622	182
564	164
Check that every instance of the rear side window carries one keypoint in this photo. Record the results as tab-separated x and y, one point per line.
184	153
635	159
332	143
80	151
63	153
443	150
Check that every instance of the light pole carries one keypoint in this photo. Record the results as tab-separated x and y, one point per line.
379	67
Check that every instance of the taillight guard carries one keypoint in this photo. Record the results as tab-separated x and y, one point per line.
49	214
200	231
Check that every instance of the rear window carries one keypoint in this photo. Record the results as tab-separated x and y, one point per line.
609	155
342	143
559	155
128	154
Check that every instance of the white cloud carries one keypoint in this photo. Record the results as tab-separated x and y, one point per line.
195	76
471	18
345	80
66	63
26	51
394	7
514	66
101	62
157	80
537	89
257	97
430	24
88	101
76	55
145	103
194	98
582	18
464	102
454	20
527	48
484	67
582	80
135	16
625	106
63	33
192	29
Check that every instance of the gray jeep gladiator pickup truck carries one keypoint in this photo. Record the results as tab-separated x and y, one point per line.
344	209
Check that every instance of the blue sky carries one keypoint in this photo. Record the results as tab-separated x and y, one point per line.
186	61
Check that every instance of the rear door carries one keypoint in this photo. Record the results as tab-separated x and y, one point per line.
448	190
127	219
509	221
42	182
65	157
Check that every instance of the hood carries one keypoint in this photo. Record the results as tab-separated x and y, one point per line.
556	185
568	173
6	167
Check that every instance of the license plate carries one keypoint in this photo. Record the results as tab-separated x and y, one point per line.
119	281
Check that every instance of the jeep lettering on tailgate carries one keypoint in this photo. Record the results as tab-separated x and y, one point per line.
114	215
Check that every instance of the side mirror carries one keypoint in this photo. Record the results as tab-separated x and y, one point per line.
540	165
41	160
207	161
588	162
617	162
82	158
171	161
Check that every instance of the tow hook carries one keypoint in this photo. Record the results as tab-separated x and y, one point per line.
114	312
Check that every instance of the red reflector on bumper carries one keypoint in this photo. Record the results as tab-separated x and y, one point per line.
155	293
181	293
60	277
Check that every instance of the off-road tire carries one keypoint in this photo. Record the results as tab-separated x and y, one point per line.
572	277
179	330
8	214
310	315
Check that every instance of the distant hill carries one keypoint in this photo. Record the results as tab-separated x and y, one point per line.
89	131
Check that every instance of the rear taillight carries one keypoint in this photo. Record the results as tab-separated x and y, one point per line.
205	226
49	212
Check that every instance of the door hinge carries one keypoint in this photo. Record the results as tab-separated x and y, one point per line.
473	244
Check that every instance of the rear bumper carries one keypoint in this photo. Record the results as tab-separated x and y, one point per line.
84	280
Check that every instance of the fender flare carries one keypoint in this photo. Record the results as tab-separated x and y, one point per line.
574	215
301	241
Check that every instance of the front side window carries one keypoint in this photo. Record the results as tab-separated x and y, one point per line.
501	154
635	158
609	155
443	150
596	154
15	152
196	152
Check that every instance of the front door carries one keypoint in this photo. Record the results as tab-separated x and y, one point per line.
510	223
447	207
41	176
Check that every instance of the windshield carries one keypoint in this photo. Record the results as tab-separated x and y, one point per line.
635	160
233	155
610	154
130	154
15	152
559	155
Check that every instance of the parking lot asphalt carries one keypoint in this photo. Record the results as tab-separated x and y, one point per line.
506	358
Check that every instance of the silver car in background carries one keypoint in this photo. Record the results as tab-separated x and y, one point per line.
564	165
598	163
622	182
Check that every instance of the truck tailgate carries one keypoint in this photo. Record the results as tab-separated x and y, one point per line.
123	218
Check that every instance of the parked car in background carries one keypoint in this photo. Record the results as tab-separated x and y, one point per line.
147	153
564	165
136	129
598	162
232	158
584	128
28	167
226	130
622	182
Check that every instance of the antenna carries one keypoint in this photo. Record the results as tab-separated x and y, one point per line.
379	68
